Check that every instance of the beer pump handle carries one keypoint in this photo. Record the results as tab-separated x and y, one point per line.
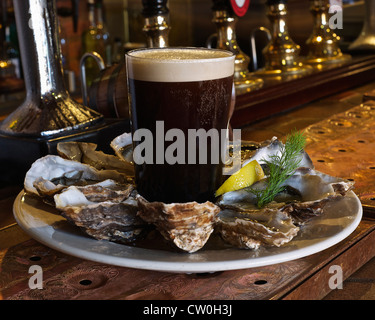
156	27
224	5
153	8
276	2
75	12
233	7
72	11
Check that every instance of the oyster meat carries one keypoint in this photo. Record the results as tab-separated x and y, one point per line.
105	211
51	174
305	195
104	191
273	147
187	225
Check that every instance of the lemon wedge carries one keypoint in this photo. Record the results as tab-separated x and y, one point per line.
246	176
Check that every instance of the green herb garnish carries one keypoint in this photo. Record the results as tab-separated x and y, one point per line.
281	166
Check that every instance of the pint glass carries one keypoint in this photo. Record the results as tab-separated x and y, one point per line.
179	103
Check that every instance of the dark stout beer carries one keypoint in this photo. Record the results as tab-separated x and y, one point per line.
184	89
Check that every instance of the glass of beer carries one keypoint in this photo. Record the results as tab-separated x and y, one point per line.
180	101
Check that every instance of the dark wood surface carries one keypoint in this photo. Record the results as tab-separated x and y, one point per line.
67	277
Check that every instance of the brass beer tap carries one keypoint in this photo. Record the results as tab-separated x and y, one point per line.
282	61
156	27
324	50
225	21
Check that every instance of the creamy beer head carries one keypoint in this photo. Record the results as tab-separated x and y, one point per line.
179	64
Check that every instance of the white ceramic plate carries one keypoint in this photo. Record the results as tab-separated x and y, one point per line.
42	223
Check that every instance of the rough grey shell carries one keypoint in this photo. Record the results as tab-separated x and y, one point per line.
51	174
250	230
86	152
186	225
105	211
305	195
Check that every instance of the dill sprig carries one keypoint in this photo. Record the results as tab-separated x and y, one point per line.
281	166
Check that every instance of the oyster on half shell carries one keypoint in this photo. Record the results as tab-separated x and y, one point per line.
307	191
51	174
264	150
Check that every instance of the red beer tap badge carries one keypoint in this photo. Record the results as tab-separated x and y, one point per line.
240	6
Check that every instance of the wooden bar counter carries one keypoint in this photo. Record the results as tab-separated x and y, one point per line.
341	142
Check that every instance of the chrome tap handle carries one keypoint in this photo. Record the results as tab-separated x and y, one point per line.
156	27
154	7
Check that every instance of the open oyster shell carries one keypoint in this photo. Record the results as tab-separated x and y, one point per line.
86	152
264	150
187	225
306	193
105	211
123	148
104	191
51	174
